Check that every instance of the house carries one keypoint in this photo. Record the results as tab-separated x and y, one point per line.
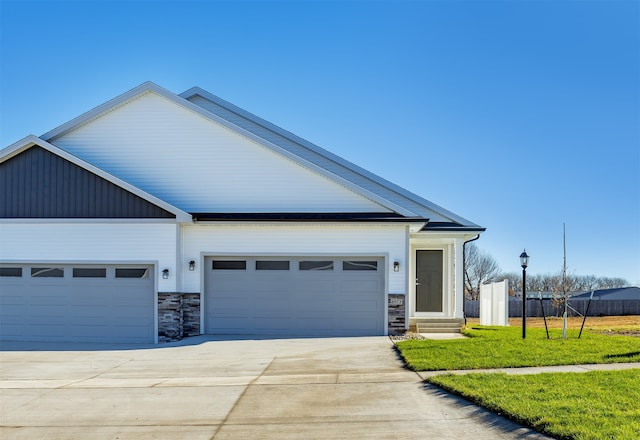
618	293
156	216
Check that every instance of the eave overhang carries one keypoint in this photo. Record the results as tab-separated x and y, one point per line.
352	217
451	227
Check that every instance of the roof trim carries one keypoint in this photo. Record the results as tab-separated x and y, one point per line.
447	227
360	217
31	141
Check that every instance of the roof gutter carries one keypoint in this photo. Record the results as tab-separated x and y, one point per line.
464	272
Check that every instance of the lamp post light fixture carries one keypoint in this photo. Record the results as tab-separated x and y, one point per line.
524	262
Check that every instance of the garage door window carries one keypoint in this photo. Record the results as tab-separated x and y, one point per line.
359	265
47	272
10	272
316	265
132	273
79	272
272	265
229	265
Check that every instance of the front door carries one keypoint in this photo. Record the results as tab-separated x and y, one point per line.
429	281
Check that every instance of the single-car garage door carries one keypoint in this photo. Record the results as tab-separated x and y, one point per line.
98	303
294	296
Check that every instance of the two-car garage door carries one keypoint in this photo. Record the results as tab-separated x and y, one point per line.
56	302
294	296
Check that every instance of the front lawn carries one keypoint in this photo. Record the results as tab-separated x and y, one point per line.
498	347
579	406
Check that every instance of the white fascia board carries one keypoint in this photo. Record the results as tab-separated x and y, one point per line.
31	140
428	235
329	155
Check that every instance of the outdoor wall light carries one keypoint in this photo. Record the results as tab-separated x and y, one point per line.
192	265
524	262
165	274
396	266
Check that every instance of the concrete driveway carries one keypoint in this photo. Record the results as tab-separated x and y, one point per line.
352	388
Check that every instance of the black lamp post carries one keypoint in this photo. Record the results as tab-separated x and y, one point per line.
524	262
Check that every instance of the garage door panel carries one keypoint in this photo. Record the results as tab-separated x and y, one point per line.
232	326
313	284
295	302
11	298
360	285
94	309
274	324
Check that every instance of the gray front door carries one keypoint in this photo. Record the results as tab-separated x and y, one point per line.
429	281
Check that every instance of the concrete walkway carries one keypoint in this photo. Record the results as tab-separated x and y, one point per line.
201	388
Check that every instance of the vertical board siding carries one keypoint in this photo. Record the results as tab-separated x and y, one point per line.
295	240
38	184
199	165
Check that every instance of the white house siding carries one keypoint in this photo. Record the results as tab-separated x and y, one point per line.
89	242
388	241
203	166
327	160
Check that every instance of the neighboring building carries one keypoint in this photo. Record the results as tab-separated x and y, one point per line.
618	293
156	216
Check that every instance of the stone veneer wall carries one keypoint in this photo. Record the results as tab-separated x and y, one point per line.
191	314
178	315
396	313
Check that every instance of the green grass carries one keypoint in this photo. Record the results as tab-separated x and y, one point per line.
503	347
578	406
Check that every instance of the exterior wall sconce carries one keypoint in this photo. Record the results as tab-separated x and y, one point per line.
192	265
165	274
396	266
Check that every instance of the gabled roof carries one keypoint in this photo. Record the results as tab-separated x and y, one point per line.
619	293
291	146
32	141
325	159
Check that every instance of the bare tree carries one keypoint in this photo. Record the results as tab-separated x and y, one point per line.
553	282
479	268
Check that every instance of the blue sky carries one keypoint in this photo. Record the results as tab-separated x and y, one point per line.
516	115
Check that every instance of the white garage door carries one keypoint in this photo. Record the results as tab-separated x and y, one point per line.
295	296
99	303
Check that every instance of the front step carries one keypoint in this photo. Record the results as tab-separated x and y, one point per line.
436	325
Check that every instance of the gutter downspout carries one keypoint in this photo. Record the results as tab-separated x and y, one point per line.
464	273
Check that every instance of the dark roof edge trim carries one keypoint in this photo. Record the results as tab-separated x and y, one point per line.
427	228
305	217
